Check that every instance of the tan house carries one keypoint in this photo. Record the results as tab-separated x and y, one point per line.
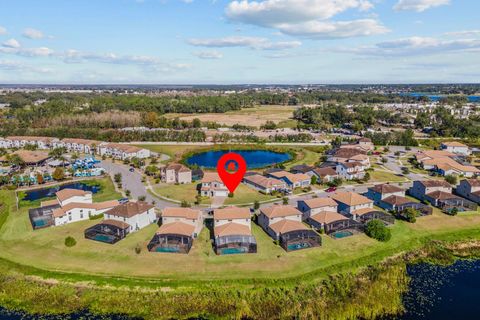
470	189
421	188
176	173
264	184
212	186
232	231
293	180
313	206
351	202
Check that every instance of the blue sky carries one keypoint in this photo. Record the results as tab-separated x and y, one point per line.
242	41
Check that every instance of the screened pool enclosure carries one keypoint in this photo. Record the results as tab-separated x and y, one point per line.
233	244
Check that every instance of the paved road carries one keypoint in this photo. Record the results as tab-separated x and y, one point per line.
133	181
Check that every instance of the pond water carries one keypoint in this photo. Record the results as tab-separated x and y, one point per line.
255	158
438	97
38	194
442	293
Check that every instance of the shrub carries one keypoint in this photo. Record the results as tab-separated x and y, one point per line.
185	204
451	179
453	212
230	194
377	230
141	198
285	200
128	193
138	249
411	215
256	205
70	242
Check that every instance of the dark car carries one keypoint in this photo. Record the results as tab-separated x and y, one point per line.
331	189
131	169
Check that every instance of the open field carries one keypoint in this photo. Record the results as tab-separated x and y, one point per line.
254	117
44	249
244	195
382	176
180	192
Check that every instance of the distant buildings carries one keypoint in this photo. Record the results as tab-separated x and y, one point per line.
123	151
456	147
445	163
470	189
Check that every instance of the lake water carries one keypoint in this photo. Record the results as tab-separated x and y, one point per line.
437	97
50	192
254	158
443	293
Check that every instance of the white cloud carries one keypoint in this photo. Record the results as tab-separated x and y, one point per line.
3	30
416	46
9	65
464	33
305	17
419	5
249	42
332	30
33	33
11	43
208	54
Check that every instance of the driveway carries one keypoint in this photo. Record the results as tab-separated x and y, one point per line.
133	181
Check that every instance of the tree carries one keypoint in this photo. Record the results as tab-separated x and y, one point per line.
15	160
117	178
40	178
256	205
405	170
141	198
285	200
384	160
454	211
366	177
377	230
185	204
313	180
128	193
452	179
411	214
70	242
58	174
151	170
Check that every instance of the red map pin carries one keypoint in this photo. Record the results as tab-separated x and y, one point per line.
231	168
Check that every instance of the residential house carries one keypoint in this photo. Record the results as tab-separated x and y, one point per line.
456	147
264	184
70	205
123	151
311	207
380	192
293	180
179	227
392	198
212	186
445	163
136	214
176	173
78	145
362	144
284	224
232	231
30	158
448	201
359	208
326	174
350	170
302	168
344	155
421	188
469	189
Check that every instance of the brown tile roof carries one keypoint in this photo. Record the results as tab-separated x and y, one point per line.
293	177
361	212
441	195
280	211
285	226
397	200
386	188
130	209
181	228
49	203
60	212
65	194
116	223
123	147
320	202
326	217
177	167
347	152
435	183
186	213
231	213
473	182
323	172
263	181
82	141
29	156
454	144
209	177
350	198
232	229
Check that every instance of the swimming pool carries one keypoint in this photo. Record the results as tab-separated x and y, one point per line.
104	238
233	250
167	249
298	246
342	234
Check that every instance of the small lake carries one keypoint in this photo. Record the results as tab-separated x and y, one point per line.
438	97
38	194
255	158
442	292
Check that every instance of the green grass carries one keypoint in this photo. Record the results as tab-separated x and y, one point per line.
304	156
383	176
181	192
247	195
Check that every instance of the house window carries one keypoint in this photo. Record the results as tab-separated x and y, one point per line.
81	215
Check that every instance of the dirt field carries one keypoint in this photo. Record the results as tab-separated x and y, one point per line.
249	117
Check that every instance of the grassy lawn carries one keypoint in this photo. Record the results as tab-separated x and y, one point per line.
180	192
304	156
45	249
244	195
383	176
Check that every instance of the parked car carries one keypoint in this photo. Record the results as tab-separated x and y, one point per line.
331	189
131	169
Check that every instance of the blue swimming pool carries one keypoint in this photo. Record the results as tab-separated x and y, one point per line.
167	249
342	234
50	192
104	238
298	246
233	250
254	158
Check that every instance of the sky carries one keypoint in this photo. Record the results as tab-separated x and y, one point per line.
239	42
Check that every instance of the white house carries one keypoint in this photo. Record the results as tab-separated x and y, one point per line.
176	173
43	143
137	214
123	151
212	186
350	170
456	147
78	145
